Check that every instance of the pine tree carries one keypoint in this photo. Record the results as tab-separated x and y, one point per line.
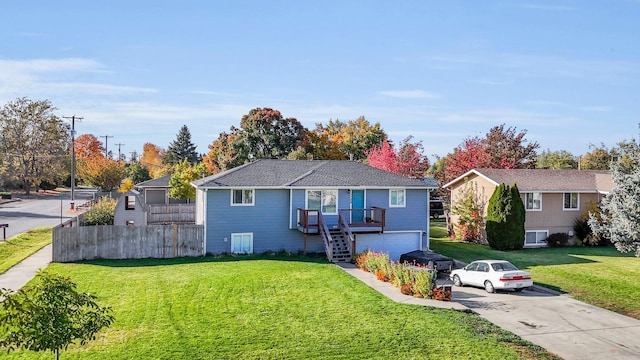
620	218
182	148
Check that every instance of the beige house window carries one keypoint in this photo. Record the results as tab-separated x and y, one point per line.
571	201
533	201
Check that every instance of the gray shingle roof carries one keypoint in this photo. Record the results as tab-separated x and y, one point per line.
549	180
308	173
159	182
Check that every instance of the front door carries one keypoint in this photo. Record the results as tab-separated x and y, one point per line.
357	202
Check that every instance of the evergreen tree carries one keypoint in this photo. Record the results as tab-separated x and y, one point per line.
505	219
181	149
620	218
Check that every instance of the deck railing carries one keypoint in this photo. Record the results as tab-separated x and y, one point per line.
373	216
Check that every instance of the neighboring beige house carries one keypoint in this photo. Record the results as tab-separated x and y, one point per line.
553	199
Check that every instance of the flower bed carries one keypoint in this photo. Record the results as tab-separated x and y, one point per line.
411	280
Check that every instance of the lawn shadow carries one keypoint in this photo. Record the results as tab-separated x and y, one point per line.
318	258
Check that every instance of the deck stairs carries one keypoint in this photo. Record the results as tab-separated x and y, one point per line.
341	248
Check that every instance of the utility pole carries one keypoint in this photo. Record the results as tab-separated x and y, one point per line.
134	156
119	153
106	141
73	155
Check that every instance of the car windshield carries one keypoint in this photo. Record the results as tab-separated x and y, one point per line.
503	266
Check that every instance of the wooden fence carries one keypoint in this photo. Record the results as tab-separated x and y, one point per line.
173	213
127	242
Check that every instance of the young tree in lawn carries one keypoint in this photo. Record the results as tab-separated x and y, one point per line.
508	149
35	143
620	211
469	208
49	315
560	159
181	178
182	148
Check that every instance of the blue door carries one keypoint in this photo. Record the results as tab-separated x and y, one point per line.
357	202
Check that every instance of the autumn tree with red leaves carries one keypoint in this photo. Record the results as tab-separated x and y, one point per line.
407	161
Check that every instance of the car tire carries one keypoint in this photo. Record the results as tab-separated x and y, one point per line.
457	281
518	289
488	286
436	215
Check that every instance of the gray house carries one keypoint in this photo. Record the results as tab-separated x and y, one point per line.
337	207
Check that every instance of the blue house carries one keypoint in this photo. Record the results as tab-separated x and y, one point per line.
332	206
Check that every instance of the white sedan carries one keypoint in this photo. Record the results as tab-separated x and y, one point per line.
492	275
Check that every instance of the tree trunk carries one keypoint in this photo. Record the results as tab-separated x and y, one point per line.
57	353
27	187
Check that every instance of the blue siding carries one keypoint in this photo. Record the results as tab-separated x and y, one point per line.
273	218
268	220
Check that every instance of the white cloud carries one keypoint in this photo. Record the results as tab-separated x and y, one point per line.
410	94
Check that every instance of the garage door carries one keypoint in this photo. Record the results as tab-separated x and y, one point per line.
392	243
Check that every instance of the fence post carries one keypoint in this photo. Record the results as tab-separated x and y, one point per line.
175	240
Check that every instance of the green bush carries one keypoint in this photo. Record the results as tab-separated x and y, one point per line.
424	282
558	240
101	213
5	195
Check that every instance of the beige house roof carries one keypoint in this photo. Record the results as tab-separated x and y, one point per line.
545	180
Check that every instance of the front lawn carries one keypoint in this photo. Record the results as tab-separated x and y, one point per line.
600	276
269	307
19	247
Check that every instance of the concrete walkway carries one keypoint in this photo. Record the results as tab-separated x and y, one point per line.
22	273
562	325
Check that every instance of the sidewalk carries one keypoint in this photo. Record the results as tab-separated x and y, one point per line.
22	273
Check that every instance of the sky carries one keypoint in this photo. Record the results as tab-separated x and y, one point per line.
566	72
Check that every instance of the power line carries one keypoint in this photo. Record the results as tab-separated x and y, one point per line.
73	154
119	153
106	148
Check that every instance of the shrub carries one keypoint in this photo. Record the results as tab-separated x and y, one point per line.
376	261
469	208
581	228
424	282
5	195
101	213
558	240
402	274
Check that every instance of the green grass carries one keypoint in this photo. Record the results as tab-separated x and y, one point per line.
21	246
600	276
269	307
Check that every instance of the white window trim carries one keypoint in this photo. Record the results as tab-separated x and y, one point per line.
404	204
571	209
253	198
525	201
306	200
541	243
234	235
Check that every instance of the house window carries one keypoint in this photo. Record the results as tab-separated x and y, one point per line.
571	201
129	202
324	200
533	201
242	197
397	198
242	243
536	237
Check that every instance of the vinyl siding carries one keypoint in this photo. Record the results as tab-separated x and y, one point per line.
268	220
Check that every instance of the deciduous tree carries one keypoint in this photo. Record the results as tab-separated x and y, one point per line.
509	149
136	172
407	161
152	159
471	154
35	143
49	315
182	148
599	158
354	137
181	178
88	147
560	159
104	173
620	217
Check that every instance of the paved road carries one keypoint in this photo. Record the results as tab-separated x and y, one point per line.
23	214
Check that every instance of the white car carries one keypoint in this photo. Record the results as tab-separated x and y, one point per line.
492	275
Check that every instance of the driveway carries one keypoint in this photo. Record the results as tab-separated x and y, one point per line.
567	327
